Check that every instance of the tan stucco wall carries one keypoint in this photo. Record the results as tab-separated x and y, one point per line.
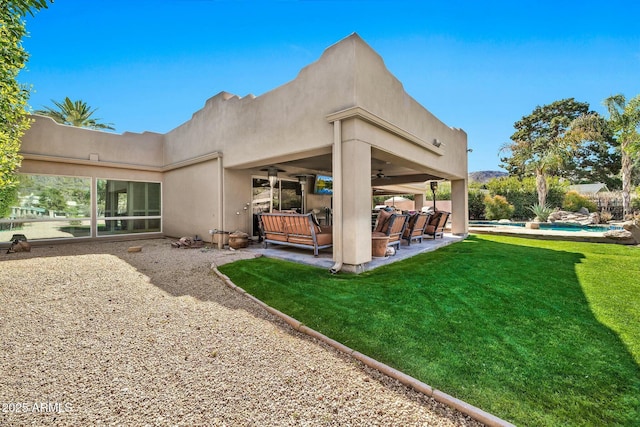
191	199
48	138
237	197
395	106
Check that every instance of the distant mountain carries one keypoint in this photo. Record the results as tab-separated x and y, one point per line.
483	176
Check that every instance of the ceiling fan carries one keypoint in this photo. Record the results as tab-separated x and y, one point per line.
379	175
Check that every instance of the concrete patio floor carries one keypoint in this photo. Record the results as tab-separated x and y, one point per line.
325	258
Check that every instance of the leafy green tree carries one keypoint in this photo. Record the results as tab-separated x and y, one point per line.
14	120
594	161
622	126
538	147
74	113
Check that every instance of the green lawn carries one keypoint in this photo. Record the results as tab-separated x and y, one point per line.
540	333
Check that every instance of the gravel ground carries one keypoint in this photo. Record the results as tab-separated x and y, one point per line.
92	334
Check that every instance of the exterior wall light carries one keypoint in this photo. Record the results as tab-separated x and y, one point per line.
437	142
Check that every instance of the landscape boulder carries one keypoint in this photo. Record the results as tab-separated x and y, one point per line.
633	227
574	217
621	236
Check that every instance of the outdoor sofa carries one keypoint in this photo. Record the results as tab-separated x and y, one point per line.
296	230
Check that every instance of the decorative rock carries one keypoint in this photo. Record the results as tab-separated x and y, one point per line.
583	211
622	236
633	228
134	249
574	217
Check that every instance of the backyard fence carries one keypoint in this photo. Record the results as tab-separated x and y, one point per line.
610	201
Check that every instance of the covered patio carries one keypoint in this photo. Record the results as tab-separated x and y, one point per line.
357	170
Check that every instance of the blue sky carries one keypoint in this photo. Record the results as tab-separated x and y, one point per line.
476	65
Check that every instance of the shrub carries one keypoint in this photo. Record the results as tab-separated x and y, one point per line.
541	212
573	201
497	207
605	217
522	194
476	204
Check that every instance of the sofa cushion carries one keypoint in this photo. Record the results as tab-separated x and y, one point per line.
275	236
324	239
300	240
321	238
383	221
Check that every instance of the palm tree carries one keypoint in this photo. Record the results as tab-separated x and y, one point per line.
74	113
622	126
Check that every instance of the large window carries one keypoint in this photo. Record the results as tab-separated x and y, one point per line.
126	207
287	195
59	207
49	207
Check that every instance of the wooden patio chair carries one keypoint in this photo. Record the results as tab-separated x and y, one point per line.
436	224
394	228
415	227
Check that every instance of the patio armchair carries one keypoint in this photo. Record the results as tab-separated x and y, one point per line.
436	224
415	227
391	225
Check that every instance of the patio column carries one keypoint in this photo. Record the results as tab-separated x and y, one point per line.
420	201
459	207
356	205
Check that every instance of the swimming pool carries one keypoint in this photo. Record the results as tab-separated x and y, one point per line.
555	226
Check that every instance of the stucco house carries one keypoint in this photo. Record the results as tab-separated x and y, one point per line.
343	121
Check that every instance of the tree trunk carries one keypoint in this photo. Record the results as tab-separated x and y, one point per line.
541	187
626	178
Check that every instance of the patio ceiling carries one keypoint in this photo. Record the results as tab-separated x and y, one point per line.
389	174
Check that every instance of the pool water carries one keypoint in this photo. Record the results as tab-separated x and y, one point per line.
549	226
